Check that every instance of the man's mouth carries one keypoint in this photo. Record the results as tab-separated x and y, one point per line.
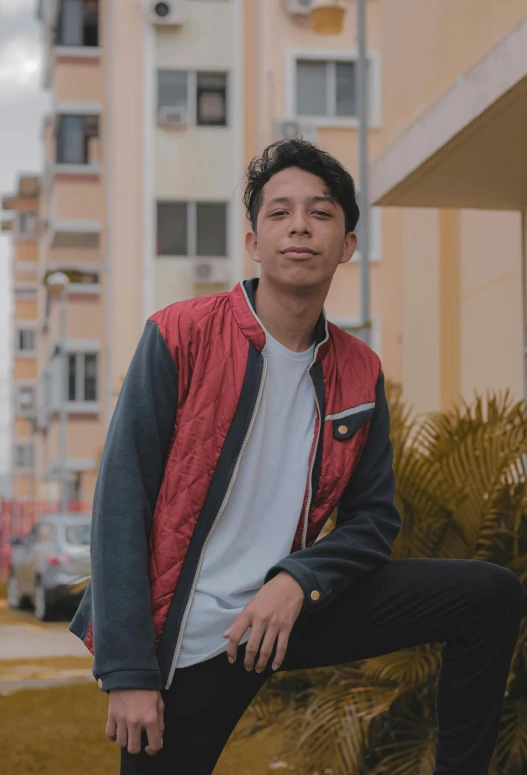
298	253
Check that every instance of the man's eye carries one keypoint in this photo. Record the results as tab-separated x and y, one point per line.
279	212
321	212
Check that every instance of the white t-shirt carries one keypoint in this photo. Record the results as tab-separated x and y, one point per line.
257	528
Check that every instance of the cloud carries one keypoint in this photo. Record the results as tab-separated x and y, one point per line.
20	65
17	7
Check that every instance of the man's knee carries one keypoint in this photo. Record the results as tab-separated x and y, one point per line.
499	587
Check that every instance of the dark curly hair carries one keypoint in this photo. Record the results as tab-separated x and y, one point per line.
300	153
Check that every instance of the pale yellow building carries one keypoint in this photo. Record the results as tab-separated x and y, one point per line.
22	225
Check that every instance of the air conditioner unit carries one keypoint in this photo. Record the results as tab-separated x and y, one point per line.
299	7
172	12
173	118
211	270
287	129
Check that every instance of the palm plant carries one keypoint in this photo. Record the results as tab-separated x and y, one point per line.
462	493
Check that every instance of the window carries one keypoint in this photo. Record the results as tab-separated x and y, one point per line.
75	139
24	457
26	399
26	340
326	86
27	224
78	535
212	99
203	94
172	88
78	23
192	229
82	376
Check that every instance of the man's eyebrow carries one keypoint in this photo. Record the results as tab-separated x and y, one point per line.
287	199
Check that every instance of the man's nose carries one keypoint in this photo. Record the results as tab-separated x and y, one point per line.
299	222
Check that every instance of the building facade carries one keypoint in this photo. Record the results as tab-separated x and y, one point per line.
22	207
157	110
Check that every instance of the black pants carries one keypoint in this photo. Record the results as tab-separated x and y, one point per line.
475	607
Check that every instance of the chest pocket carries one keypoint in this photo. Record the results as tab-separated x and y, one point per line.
347	422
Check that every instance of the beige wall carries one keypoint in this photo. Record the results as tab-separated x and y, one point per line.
78	199
461	270
87	85
427	45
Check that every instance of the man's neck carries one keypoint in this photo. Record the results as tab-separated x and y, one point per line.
291	320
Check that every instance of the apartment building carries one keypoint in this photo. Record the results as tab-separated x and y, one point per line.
157	109
21	209
71	217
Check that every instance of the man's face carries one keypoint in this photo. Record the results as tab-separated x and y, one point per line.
301	235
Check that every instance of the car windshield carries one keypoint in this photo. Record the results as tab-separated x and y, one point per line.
78	534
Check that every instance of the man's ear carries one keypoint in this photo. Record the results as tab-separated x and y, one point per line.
349	248
251	244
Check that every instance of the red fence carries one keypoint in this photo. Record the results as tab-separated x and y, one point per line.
18	517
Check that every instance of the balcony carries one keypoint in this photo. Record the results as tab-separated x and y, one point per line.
78	233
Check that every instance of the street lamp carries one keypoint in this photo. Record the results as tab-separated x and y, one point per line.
59	281
327	17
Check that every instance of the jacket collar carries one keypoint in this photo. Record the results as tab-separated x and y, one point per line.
244	310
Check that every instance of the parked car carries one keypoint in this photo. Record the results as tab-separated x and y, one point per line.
44	564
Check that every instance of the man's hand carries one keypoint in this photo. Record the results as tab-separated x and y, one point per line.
132	710
272	612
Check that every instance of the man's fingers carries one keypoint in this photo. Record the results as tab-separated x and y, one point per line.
134	738
122	734
266	648
253	644
155	739
111	728
238	629
283	640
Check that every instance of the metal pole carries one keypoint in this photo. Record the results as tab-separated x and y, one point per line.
364	222
63	400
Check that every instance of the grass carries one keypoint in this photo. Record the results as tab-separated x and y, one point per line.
63	730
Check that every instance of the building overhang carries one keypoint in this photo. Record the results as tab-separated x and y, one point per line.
75	233
468	150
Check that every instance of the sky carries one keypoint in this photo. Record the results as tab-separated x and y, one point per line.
23	103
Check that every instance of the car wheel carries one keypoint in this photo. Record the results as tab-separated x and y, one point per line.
14	598
43	610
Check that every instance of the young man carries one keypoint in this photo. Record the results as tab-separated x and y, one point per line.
244	420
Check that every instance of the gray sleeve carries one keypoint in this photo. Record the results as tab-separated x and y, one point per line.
126	491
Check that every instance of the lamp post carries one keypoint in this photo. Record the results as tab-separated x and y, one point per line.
59	281
328	18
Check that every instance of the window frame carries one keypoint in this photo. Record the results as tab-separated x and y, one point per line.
80	378
25	411
57	27
19	351
87	163
21	444
192	234
292	56
192	96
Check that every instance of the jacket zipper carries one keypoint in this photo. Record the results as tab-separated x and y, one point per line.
310	481
220	512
